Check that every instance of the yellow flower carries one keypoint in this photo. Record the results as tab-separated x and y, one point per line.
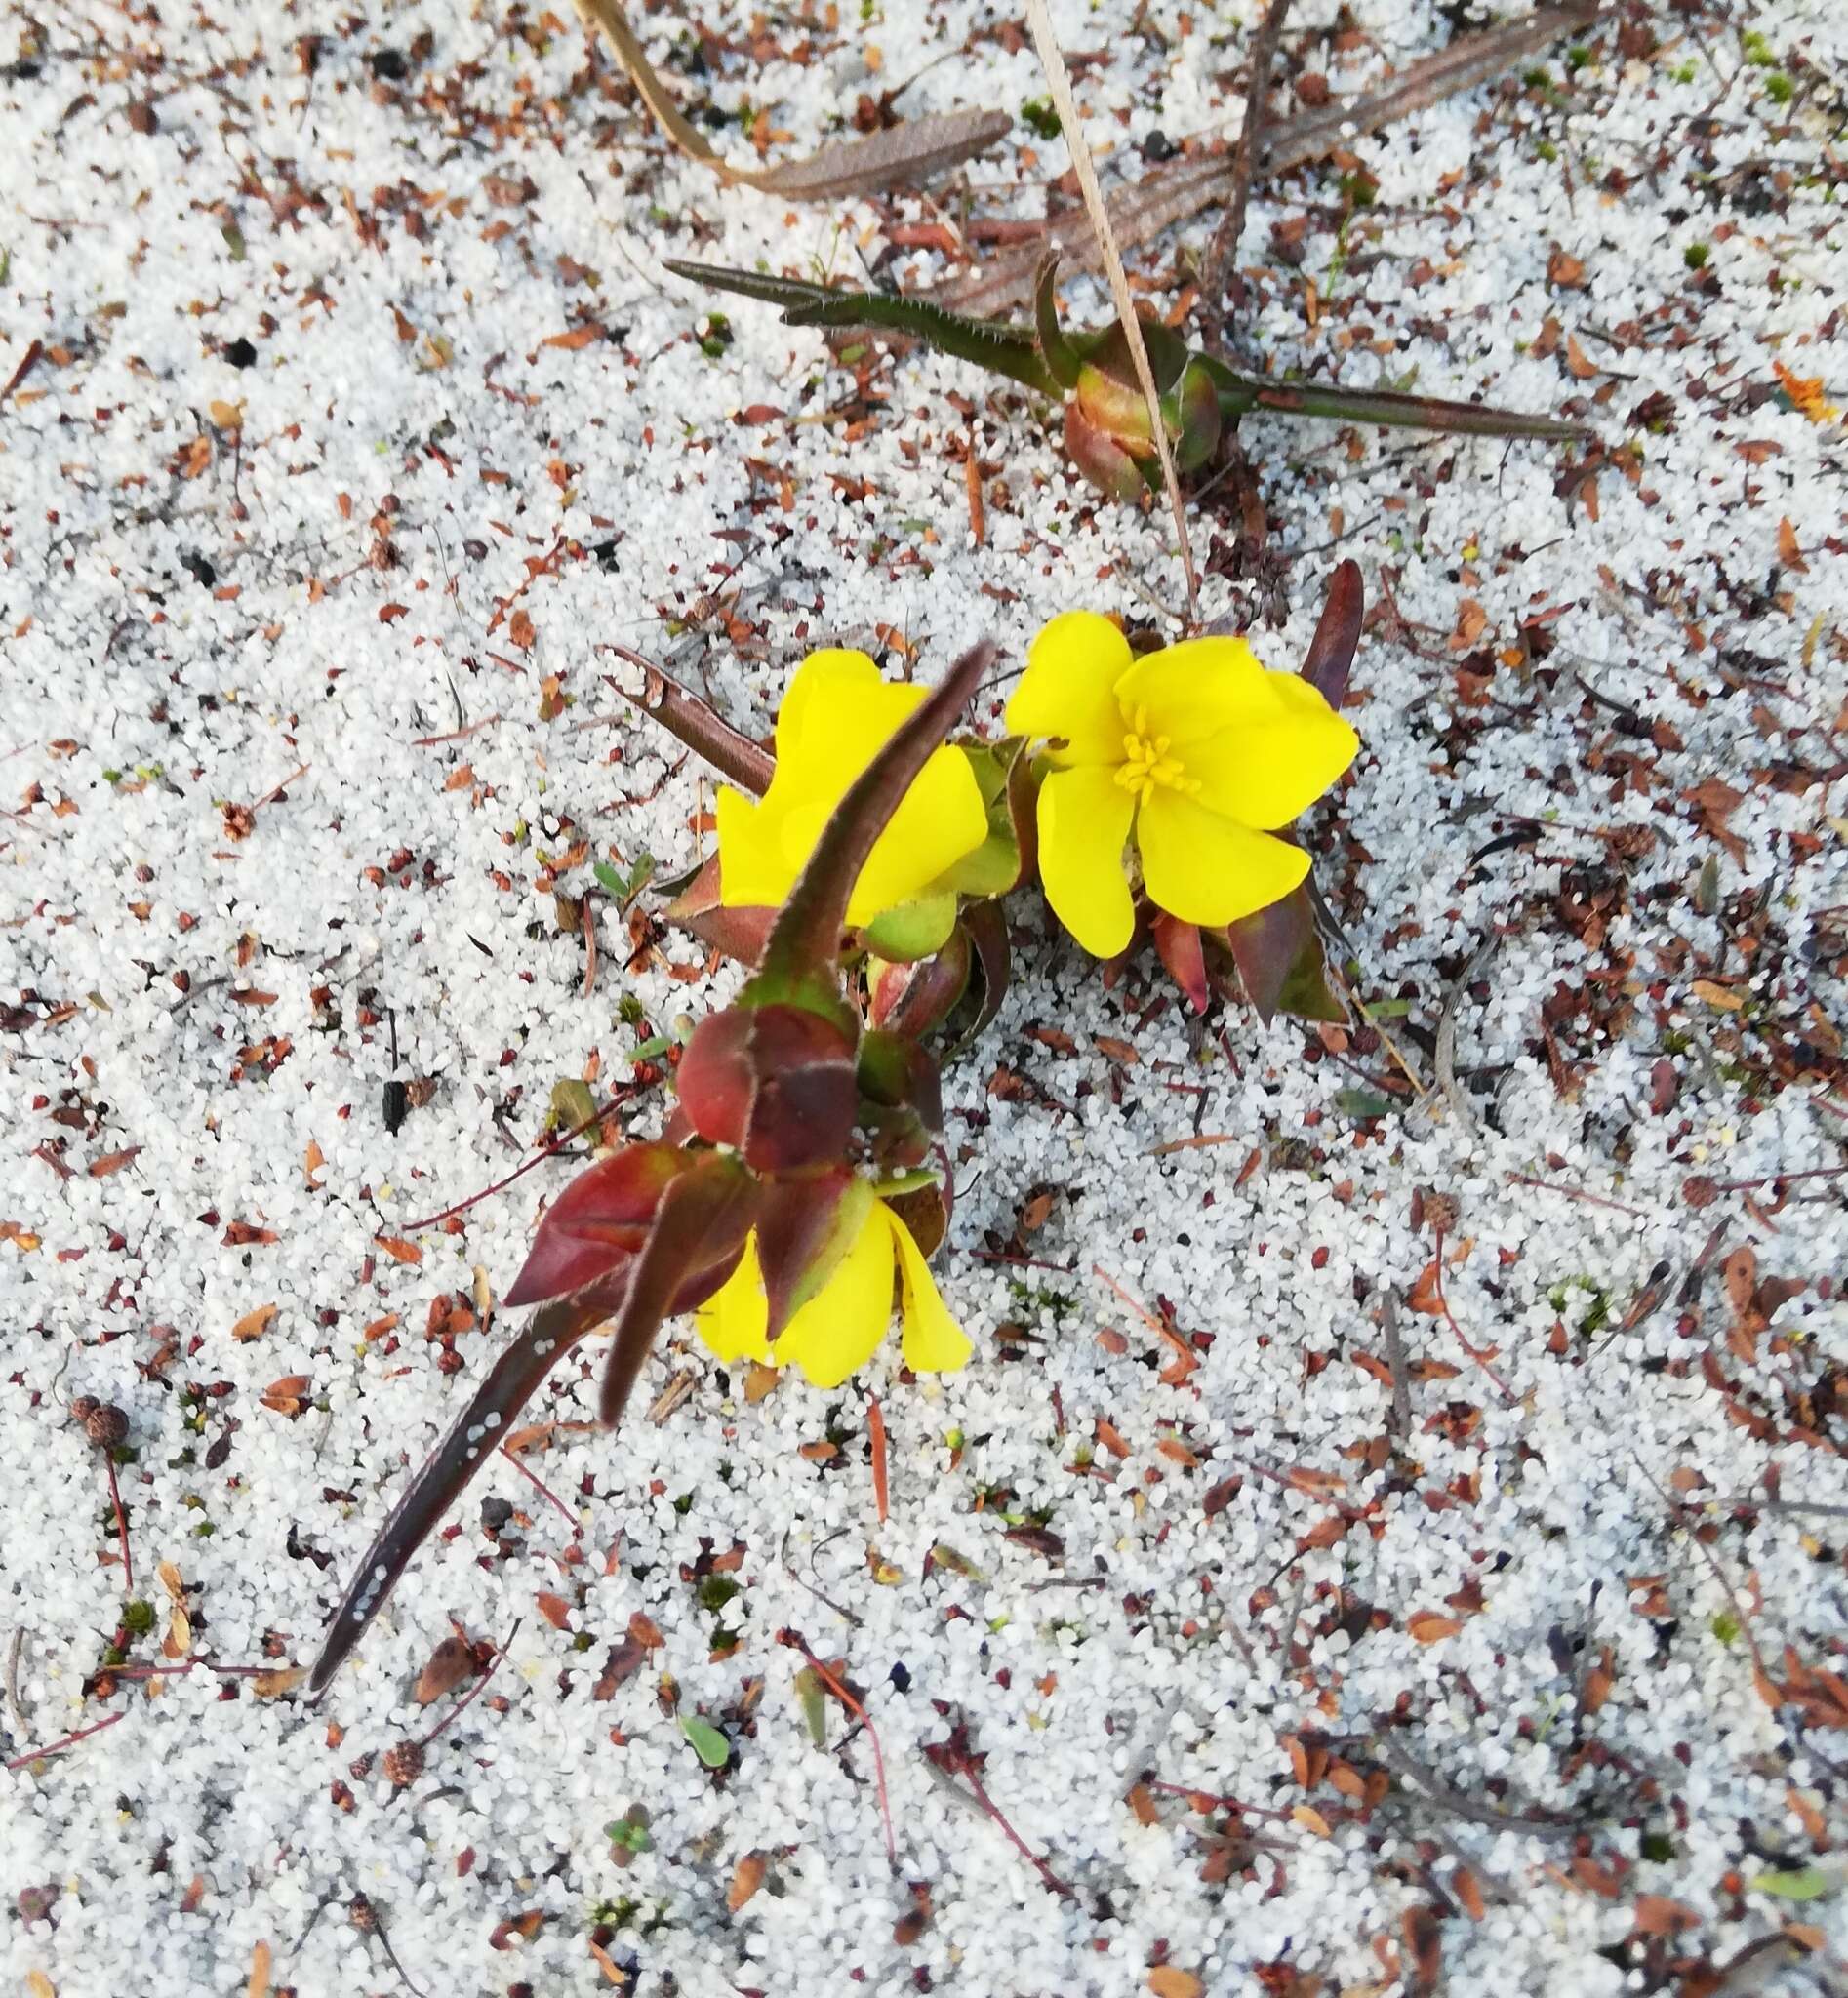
839	1329
1194	751
1806	394
837	715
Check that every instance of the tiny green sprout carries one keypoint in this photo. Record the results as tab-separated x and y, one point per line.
138	1620
684	1503
1757	51
631	1011
1657	1847
6	264
1039	116
717	337
204	1529
1546	150
1695	255
1537	78
111	776
716	1590
1725	1627
1779	87
1578	56
1685	72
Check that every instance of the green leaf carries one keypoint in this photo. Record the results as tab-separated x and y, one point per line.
1387	1008
626	888
1811	1883
1361	1104
809	1695
709	1742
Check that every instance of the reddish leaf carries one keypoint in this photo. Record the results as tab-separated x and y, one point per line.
1178	945
598	1222
1330	654
740	933
798	1222
773	1081
450	1663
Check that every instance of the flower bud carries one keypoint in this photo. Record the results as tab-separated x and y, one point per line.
775	1082
911	999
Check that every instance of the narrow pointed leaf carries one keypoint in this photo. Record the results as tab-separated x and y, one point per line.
993	345
509	1385
1400	412
697	724
695	1244
804	945
1330	654
1055	349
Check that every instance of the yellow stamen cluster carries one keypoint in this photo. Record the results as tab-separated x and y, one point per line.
1147	764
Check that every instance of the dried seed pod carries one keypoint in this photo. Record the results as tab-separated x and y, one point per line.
105	1425
1441	1211
83	1408
404	1764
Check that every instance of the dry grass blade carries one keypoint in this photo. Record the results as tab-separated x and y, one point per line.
1059	81
908	152
1175	192
1219	274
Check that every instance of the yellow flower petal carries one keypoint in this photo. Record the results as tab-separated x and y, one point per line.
839	1328
940	819
1068	689
934	1342
1084	821
733	1320
1195	689
1264	773
1207	869
837	715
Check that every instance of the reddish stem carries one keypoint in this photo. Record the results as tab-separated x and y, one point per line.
545	1488
1019	1844
69	1741
121	1525
519	1172
1476	1352
876	1431
1572	1193
859	1712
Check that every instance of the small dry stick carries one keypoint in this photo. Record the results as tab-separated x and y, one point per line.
1395	1359
551	1151
1067	105
544	1490
1476	1353
57	1748
1437	1793
797	1642
1219	274
965	1768
876	1435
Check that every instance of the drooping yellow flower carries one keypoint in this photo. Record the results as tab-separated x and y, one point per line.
837	715
839	1329
1194	752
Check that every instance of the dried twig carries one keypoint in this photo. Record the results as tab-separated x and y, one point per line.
1175	192
1395	1359
1219	275
798	1642
1067	105
876	1436
907	153
68	1742
1444	1062
1439	1792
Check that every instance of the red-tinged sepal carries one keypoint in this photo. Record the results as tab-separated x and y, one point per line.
805	1223
922	1202
1330	654
1278	953
914	999
985	924
1179	946
773	1082
901	1099
740	933
598	1223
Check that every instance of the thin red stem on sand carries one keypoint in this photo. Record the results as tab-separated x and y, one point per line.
1572	1193
1020	1845
121	1525
876	1432
34	1755
796	1640
519	1172
545	1488
1476	1353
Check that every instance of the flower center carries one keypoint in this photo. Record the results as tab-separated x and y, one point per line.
1147	764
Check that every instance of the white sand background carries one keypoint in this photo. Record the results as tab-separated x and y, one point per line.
300	472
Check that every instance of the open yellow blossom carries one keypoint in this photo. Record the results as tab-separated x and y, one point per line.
1195	752
839	1329
837	715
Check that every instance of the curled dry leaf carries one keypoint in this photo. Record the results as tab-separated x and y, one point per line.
1430	1626
1170	1980
273	1685
448	1665
254	1324
748	1876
